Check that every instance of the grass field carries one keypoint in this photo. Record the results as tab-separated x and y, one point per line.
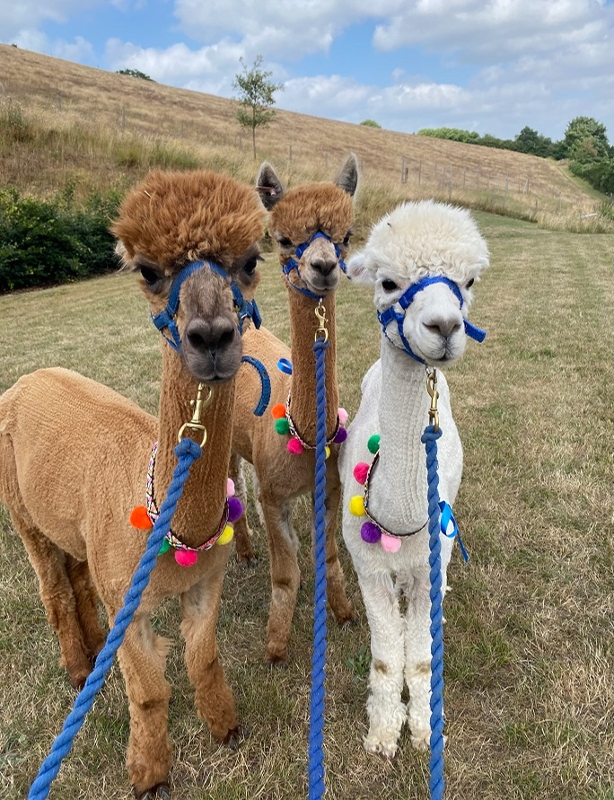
529	658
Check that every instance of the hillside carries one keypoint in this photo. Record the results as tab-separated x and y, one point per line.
66	96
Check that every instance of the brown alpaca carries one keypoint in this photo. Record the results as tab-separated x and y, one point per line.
74	457
295	217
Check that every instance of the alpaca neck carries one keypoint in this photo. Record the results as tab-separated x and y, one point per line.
201	505
303	327
397	496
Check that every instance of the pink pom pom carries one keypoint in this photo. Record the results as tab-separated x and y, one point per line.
360	472
235	509
185	558
370	532
343	416
340	436
230	487
294	447
391	544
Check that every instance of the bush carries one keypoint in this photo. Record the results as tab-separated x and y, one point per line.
43	243
370	123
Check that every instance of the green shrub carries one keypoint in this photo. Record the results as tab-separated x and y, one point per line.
43	243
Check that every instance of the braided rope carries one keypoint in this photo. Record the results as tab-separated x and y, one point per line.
437	781
316	717
187	451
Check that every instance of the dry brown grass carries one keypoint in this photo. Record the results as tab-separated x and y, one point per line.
96	124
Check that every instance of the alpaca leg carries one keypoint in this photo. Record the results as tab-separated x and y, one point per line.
142	658
418	662
86	599
335	579
213	697
56	591
285	577
384	706
243	533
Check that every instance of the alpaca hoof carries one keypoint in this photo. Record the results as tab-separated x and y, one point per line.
421	740
380	748
277	663
235	736
161	791
248	562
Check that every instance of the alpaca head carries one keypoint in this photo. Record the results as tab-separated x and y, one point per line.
167	225
415	243
300	214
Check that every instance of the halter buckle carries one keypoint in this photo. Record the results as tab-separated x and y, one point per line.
322	330
195	424
431	388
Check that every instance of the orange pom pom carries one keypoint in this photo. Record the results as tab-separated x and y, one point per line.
139	518
278	411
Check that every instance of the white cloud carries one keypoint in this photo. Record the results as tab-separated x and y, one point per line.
23	18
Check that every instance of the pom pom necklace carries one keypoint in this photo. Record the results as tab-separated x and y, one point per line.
284	424
371	530
144	517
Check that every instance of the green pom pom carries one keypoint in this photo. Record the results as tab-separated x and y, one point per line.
373	443
282	425
164	547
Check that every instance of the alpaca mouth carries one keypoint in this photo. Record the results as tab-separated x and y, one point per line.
324	285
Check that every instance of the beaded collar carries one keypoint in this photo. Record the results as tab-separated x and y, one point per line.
144	517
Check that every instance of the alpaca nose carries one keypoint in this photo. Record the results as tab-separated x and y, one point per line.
210	337
324	265
443	327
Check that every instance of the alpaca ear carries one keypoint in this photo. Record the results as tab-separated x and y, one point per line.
348	177
268	186
122	254
357	270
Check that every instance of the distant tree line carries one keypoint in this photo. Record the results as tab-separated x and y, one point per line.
585	145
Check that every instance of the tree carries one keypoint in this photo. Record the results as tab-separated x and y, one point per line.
370	123
530	141
586	140
255	97
135	73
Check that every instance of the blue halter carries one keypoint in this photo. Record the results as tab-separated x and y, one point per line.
246	309
293	263
405	300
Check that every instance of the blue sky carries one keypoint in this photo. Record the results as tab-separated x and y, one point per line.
492	66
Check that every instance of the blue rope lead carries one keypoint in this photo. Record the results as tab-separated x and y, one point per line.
437	781
316	717
187	451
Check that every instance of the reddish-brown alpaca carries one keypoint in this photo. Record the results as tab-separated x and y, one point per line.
296	216
74	457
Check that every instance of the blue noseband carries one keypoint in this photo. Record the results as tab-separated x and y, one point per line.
293	263
246	309
405	300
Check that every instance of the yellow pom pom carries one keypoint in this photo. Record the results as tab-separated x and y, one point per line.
326	451
227	535
357	505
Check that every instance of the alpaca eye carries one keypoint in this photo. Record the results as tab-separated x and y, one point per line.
150	276
285	242
388	285
346	241
250	266
470	283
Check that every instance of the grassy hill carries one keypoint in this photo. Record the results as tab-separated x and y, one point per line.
62	121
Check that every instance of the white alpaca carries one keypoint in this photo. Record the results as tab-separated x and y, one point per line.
423	326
